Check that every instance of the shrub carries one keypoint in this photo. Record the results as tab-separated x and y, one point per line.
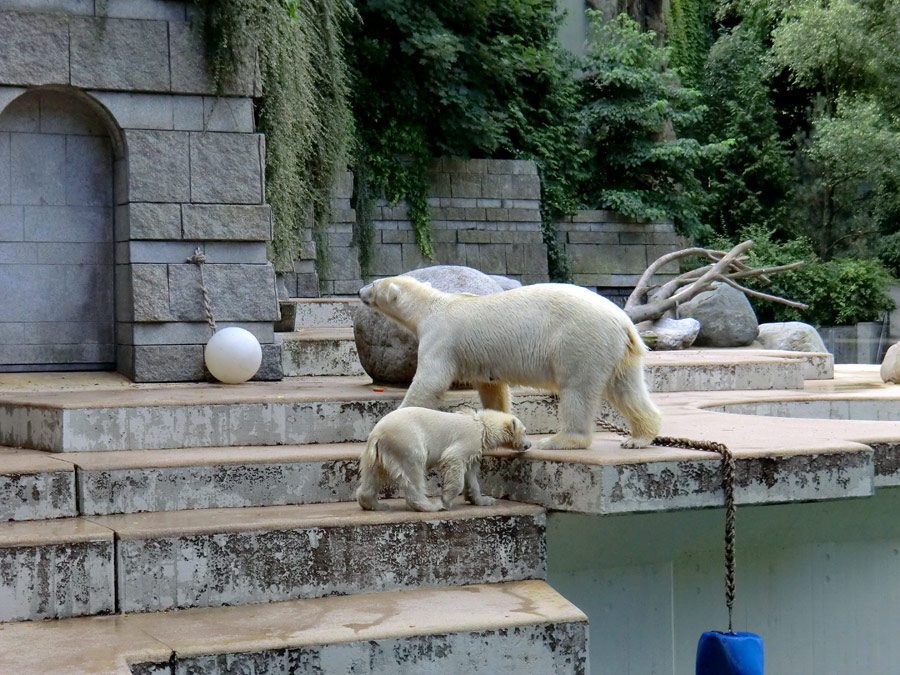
843	291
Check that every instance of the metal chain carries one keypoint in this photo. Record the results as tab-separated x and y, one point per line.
728	487
198	259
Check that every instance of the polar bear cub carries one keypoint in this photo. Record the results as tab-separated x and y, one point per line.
408	442
551	336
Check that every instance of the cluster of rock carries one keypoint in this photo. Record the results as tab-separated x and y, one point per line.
723	317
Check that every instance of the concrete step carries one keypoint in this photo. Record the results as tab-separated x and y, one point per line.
320	409
35	485
55	568
214	557
522	626
133	481
319	351
297	313
293	411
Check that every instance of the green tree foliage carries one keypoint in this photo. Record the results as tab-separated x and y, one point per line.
841	291
481	79
750	186
689	37
845	53
304	111
633	105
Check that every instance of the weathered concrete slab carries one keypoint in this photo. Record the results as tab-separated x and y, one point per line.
320	351
553	649
200	416
202	478
218	557
55	568
610	480
316	312
473	620
35	485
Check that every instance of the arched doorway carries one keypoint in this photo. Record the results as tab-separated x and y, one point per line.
57	296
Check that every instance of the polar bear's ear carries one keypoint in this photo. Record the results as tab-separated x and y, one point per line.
392	292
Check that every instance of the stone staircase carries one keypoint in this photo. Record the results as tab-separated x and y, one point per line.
202	528
150	511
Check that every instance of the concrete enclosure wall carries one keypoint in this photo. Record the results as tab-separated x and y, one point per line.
188	173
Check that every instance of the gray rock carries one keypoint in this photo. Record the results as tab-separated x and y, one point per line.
387	351
890	367
673	333
505	282
35	48
793	336
725	315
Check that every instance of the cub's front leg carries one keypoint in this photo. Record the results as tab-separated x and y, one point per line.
472	490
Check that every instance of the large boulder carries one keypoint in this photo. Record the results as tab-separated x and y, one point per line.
671	333
725	315
505	282
387	351
792	336
890	367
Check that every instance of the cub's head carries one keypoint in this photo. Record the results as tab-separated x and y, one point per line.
504	430
402	298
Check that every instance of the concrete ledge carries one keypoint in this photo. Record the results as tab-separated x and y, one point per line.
315	312
320	351
55	568
484	621
35	485
213	557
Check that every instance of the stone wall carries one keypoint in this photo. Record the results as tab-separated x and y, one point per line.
187	172
608	252
486	215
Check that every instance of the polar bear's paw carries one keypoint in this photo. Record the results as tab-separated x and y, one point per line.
640	442
483	501
563	441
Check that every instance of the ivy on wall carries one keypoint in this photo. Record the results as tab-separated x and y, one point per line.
689	37
477	79
303	111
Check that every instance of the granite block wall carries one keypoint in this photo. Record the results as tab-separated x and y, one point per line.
158	167
486	214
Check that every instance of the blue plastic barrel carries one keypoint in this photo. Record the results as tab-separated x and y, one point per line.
732	653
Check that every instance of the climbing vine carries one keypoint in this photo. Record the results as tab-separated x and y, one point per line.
689	37
304	112
482	79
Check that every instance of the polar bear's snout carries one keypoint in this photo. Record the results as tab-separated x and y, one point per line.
366	293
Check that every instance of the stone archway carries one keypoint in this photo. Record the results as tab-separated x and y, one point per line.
57	296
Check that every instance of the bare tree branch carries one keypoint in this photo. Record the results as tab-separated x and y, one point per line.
647	304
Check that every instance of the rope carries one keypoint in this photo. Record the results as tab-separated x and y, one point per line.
728	487
198	259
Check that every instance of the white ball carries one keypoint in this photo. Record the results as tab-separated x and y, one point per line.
233	355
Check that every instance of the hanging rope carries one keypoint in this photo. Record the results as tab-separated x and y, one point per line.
728	487
198	259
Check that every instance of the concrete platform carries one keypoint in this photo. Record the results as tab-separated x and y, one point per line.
108	414
482	629
35	485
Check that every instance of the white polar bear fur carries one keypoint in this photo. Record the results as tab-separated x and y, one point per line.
408	442
559	337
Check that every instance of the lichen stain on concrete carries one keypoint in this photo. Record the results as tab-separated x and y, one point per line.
266	566
548	649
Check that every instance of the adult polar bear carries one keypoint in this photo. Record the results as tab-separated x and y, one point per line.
550	336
